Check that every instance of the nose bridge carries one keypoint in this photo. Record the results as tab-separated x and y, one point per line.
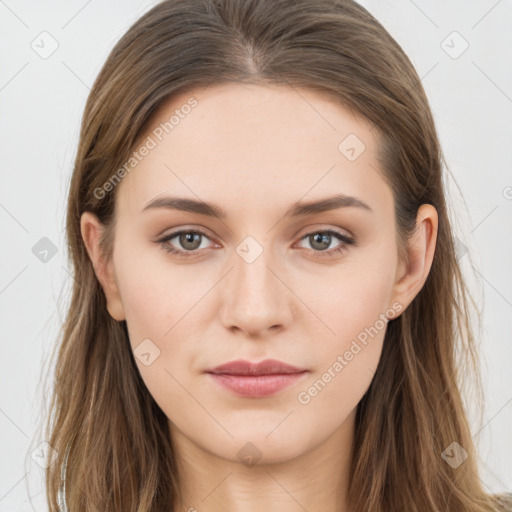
255	298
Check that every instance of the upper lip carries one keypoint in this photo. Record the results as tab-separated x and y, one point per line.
266	367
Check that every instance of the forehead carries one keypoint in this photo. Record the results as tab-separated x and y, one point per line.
245	145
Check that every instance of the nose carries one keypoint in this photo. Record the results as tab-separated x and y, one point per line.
256	298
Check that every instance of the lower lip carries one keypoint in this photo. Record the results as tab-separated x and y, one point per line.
256	386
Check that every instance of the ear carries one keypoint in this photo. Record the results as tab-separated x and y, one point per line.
412	274
92	230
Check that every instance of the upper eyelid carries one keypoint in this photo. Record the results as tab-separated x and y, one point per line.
174	234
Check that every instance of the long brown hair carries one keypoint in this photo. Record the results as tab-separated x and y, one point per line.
110	436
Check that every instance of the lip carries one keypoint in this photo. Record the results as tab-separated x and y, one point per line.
266	367
255	380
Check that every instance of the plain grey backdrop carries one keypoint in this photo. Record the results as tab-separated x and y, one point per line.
50	55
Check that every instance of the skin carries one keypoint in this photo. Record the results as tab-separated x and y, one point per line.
254	151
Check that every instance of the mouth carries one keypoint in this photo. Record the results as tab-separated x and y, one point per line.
256	380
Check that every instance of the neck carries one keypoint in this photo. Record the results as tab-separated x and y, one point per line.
314	480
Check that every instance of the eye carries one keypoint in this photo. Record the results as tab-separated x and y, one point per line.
189	239
321	240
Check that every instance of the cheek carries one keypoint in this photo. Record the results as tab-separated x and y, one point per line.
163	308
354	305
348	298
346	361
330	397
156	294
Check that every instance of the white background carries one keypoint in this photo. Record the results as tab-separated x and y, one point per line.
42	100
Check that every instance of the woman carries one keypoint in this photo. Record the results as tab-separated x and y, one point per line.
267	305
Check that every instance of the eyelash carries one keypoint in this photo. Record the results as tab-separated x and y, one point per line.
346	241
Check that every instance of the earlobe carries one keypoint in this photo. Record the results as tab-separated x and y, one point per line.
92	230
420	252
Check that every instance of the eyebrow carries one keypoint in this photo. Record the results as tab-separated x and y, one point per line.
296	209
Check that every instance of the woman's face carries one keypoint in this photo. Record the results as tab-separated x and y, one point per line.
271	278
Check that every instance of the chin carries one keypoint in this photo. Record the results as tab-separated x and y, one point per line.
253	447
